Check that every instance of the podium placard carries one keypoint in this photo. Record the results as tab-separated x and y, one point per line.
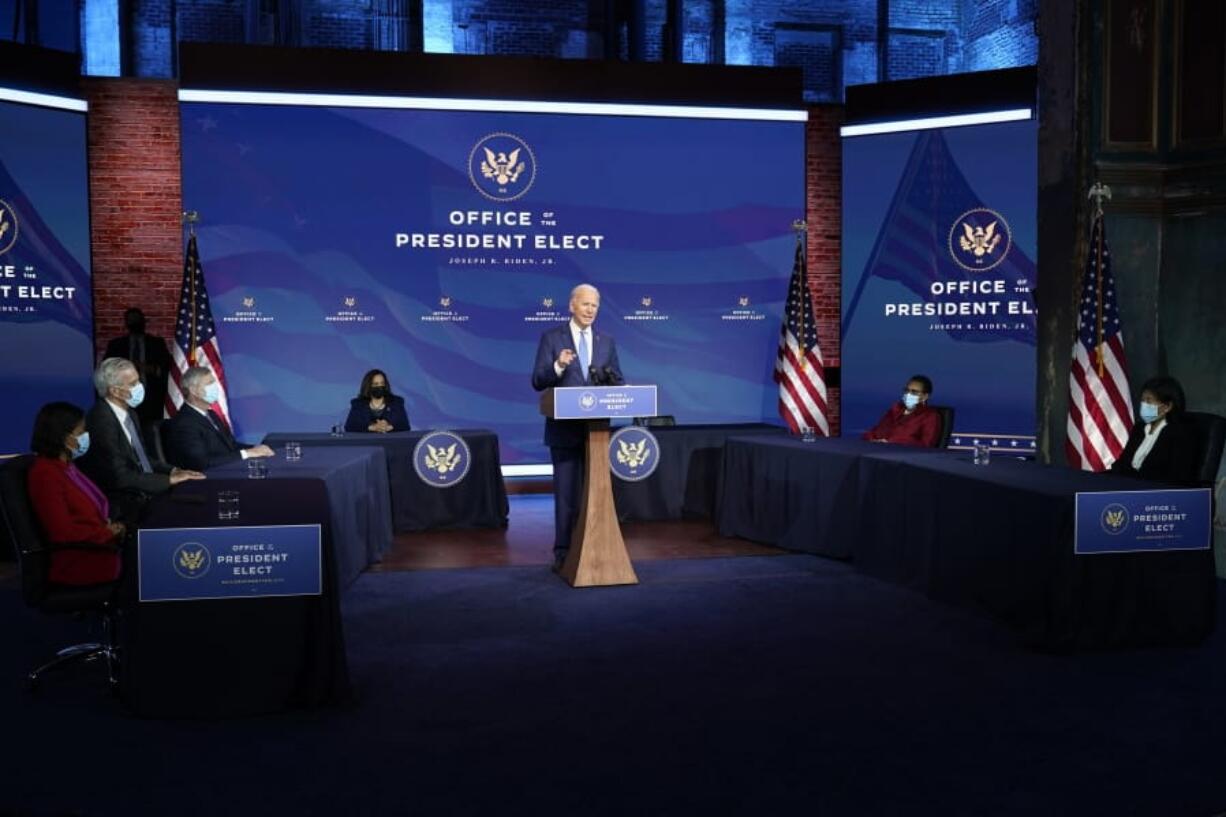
597	555
599	402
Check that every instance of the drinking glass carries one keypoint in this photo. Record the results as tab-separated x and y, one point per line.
227	505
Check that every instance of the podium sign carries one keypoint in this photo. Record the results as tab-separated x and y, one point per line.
601	402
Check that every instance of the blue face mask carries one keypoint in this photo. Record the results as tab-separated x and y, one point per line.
212	393
137	396
910	400
82	445
1149	412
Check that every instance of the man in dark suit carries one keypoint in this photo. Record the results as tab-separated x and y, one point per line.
569	355
151	357
124	467
197	437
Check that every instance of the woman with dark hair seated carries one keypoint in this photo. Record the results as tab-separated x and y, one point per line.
376	408
70	508
1164	445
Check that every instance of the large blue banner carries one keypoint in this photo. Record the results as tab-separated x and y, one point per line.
180	564
438	245
939	241
46	312
1131	521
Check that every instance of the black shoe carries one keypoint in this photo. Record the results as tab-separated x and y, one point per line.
558	561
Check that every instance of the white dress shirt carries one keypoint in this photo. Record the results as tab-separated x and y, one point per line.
1147	444
575	334
121	414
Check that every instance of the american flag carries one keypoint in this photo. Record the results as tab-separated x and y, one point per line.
1100	409
195	336
798	365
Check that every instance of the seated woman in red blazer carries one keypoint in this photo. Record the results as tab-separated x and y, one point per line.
70	508
909	421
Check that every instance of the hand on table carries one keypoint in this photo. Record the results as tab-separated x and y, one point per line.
178	475
260	451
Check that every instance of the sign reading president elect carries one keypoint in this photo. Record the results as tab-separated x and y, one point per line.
634	453
442	459
182	564
1131	521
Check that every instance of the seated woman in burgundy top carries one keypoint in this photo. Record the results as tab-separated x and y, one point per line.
909	421
70	508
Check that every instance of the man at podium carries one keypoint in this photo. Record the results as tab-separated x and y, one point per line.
573	354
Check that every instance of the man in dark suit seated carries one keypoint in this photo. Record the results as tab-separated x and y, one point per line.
151	357
909	421
118	459
568	355
197	437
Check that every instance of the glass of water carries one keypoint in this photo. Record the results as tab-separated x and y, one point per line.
338	429
982	454
293	451
227	505
257	468
807	435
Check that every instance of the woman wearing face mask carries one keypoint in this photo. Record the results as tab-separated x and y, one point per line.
376	408
70	508
1163	446
909	421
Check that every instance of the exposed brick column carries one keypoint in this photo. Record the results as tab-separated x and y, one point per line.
135	203
823	204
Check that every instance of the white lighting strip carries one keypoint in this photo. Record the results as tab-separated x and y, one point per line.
46	100
492	105
960	120
527	470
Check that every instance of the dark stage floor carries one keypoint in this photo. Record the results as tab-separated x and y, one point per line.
757	685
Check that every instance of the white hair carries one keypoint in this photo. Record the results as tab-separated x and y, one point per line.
574	293
109	372
191	377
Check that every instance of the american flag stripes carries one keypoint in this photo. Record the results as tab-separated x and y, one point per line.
1100	407
195	336
798	364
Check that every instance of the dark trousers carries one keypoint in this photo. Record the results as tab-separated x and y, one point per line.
567	493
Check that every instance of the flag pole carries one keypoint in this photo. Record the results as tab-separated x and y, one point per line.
190	218
801	228
1098	192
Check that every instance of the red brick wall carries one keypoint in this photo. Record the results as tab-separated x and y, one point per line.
135	203
823	192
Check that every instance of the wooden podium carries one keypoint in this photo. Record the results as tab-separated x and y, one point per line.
597	555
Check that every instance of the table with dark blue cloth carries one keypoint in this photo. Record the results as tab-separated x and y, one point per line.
215	658
358	498
686	480
998	538
478	501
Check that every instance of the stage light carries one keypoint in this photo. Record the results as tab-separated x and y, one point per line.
46	100
928	123
491	105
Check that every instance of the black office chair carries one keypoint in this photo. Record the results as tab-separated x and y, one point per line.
33	560
947	424
1212	431
657	421
155	437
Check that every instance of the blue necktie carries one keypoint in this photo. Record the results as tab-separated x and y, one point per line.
585	354
137	444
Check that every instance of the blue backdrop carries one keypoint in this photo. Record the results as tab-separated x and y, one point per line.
939	275
46	313
341	239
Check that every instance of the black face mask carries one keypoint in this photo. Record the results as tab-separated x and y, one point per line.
378	391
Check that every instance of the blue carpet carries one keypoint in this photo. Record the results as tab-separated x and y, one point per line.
757	686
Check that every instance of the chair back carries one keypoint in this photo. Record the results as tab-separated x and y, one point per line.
657	421
155	439
1211	429
947	424
28	543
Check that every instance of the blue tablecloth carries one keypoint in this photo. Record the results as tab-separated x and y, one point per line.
223	658
686	480
479	501
998	538
359	502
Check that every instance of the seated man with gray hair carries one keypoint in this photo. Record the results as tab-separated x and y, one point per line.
197	437
124	467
